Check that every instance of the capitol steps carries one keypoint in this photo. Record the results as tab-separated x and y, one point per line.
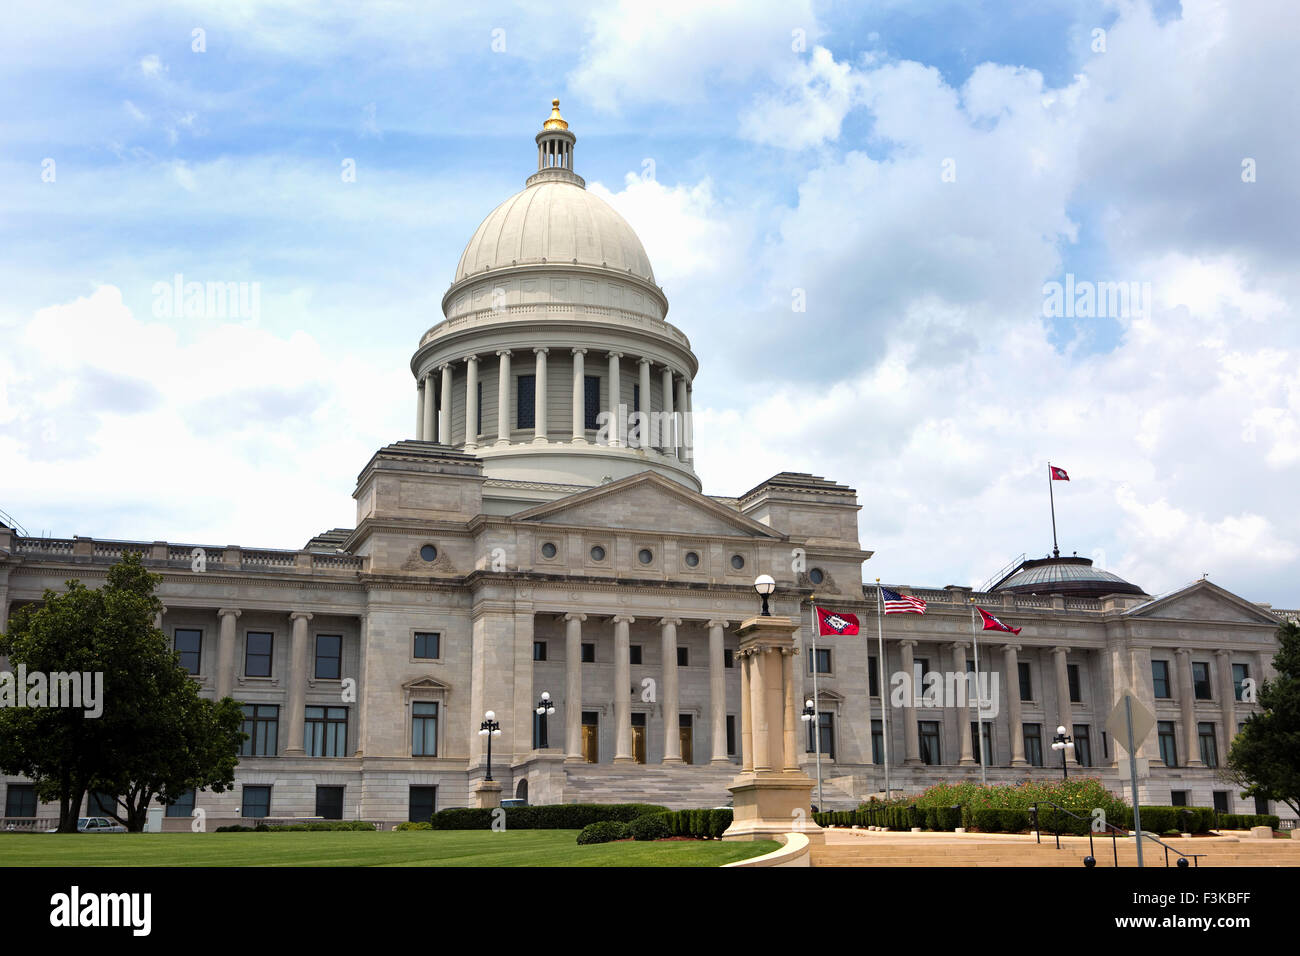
678	788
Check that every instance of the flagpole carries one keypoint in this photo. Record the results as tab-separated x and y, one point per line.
816	714
880	681
979	695
1056	551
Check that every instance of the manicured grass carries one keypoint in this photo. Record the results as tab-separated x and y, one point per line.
410	848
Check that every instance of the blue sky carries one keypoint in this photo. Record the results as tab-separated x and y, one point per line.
794	146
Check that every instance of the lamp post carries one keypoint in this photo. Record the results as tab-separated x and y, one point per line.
1063	742
764	585
545	707
810	713
489	728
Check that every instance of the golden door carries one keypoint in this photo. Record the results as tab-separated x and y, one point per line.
590	743
684	735
638	744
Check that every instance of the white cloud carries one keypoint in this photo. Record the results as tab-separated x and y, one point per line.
151	65
817	95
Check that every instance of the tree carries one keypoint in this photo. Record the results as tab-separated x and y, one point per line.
1264	759
155	736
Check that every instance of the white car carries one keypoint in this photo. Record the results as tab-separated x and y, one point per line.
96	825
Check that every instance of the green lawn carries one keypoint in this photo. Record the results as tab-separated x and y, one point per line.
409	848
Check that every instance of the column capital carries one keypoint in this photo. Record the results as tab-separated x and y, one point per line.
303	615
1061	649
617	355
908	642
503	352
577	351
575	616
444	366
644	361
623	619
229	612
1223	652
960	645
722	624
471	358
1183	651
1013	648
541	350
670	622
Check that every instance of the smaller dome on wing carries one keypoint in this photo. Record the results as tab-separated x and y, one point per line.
1073	576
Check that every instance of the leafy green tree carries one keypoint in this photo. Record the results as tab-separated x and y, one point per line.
156	737
1264	759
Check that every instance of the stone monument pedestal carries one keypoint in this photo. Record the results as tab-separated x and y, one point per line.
487	794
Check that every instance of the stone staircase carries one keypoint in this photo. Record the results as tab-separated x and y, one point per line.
687	787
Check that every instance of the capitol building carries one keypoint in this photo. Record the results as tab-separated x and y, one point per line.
542	535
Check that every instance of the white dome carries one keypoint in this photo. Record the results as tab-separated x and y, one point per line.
556	222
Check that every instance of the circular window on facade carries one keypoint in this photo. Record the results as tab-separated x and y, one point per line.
598	553
429	552
816	576
645	556
737	562
548	550
692	559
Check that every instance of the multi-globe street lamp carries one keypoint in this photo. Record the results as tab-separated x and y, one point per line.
545	707
489	728
1063	742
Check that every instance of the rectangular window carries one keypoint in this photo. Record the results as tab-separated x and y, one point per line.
928	731
873	677
262	724
257	802
20	800
1072	677
427	645
257	654
920	666
1261	805
183	807
539	650
821	660
100	804
189	644
1082	745
683	657
479	419
728	657
1034	744
1221	801
329	803
422	804
591	400
525	400
1240	672
983	754
1178	798
877	743
731	735
424	729
329	656
1160	679
1026	685
1201	680
1168	743
634	654
636	396
1209	747
588	653
1105	748
325	732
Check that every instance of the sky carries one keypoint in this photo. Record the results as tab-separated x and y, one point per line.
866	217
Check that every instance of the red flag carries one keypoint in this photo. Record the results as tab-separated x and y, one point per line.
991	623
1058	474
830	623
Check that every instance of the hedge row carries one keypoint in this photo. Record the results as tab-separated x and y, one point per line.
289	827
562	816
1244	821
701	824
419	825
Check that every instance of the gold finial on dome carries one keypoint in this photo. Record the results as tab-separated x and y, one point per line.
556	121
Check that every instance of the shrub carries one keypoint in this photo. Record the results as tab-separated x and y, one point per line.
602	831
719	820
651	826
416	825
562	816
234	828
700	824
317	825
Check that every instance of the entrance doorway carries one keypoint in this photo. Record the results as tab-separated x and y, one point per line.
684	735
638	738
590	736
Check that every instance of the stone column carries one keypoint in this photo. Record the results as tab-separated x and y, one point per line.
964	742
688	427
645	440
579	397
669	440
298	683
1187	709
718	692
444	413
539	397
615	390
157	620
680	420
471	402
790	739
1065	712
1017	732
419	410
758	713
430	401
669	695
573	687
503	398
226	640
911	733
623	689
1228	701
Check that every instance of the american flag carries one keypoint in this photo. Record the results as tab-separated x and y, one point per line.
896	603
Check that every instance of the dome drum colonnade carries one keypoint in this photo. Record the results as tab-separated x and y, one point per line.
553	319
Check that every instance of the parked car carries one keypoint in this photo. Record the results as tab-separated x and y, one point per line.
514	803
95	825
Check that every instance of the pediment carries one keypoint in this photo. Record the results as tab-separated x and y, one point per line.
647	502
1203	601
426	683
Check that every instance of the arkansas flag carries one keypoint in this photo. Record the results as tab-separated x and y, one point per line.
991	623
830	623
1058	474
